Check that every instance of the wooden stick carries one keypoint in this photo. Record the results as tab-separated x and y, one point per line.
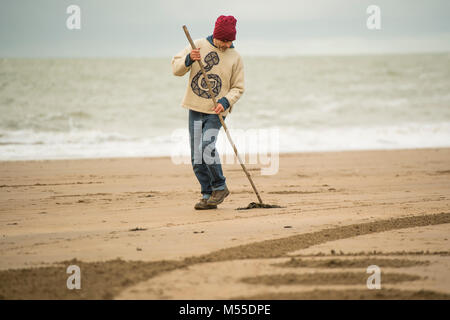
220	115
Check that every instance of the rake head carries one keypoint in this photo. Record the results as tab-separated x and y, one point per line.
253	205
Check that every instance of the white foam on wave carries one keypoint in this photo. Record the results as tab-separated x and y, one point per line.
26	145
404	136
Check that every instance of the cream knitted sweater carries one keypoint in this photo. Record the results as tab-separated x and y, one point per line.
225	70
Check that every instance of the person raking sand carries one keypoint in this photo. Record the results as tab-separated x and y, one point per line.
227	79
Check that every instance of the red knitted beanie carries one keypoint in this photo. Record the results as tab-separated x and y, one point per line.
225	28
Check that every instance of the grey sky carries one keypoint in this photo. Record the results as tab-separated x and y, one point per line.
112	28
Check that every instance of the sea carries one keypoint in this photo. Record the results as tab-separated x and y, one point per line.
131	107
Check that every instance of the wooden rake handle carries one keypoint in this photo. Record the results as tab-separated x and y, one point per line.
213	97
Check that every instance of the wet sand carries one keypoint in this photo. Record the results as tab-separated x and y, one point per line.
131	226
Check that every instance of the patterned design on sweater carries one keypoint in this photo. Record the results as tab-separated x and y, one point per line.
201	90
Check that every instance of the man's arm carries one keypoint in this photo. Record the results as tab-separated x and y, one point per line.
236	84
181	62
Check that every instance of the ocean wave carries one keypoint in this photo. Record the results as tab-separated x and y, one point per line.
56	108
94	144
31	137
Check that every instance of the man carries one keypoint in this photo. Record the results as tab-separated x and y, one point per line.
225	70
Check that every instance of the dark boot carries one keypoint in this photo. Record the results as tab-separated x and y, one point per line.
203	205
218	196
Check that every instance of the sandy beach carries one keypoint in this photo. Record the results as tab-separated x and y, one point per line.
130	225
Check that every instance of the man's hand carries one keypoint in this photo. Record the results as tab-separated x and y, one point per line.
195	54
218	109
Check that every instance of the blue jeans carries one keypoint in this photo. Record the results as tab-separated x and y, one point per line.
203	131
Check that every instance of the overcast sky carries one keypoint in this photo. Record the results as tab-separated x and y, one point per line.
144	28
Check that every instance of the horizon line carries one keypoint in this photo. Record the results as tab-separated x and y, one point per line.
243	55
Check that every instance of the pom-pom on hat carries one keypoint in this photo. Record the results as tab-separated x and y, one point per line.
225	28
